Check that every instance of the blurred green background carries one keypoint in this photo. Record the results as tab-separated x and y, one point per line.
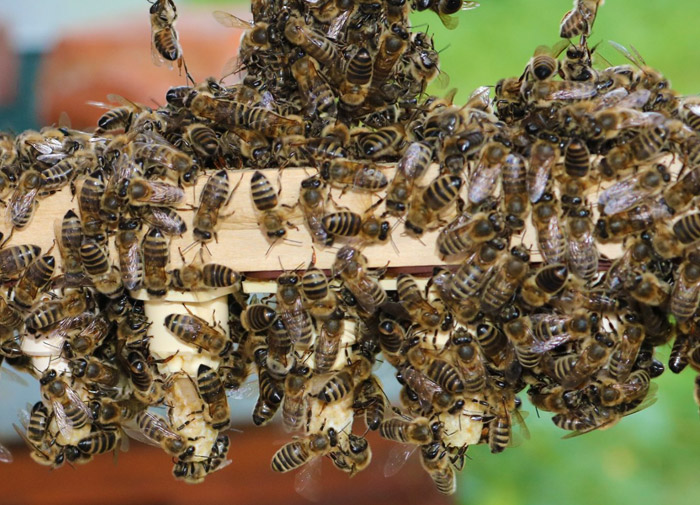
650	457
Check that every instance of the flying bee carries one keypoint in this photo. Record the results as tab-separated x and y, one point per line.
49	312
69	410
539	288
165	46
157	431
579	20
351	265
211	390
194	330
312	196
582	249
34	280
426	205
484	178
299	452
23	201
354	175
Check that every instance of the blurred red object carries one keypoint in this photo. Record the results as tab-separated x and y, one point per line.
116	58
8	67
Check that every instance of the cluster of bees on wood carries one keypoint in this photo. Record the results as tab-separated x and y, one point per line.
339	86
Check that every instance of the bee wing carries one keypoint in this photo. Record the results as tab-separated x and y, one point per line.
307	481
635	100
22	434
537	178
5	455
484	181
449	21
620	196
231	21
611	98
583	252
247	390
337	24
139	436
223	464
20	204
397	459
47	146
161	426
78	402
65	425
52	158
469	5
579	92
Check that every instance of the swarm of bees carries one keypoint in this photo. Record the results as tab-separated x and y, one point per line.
340	87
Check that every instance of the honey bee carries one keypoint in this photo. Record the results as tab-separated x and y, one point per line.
391	340
327	344
612	393
544	64
393	42
647	288
550	235
554	398
269	400
312	196
299	452
208	276
23	201
294	401
165	46
625	353
353	458
500	288
343	383
212	392
685	295
582	250
465	233
162	159
484	178
90	336
320	300
415	432
49	312
411	167
368	228
315	44
358	75
382	142
145	192
433	199
232	114
147	388
264	198
258	317
69	410
157	431
196	331
9	317
422	312
351	266
681	193
572	370
542	159
213	196
354	175
317	95
437	463
34	280
106	278
89	202
473	273
539	288
291	310
552	330
579	20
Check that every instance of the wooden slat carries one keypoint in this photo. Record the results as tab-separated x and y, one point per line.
242	245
